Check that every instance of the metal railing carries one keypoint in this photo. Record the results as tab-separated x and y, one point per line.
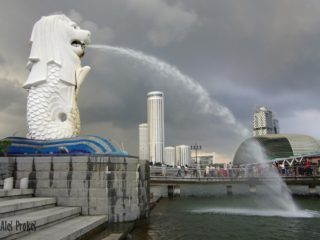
193	172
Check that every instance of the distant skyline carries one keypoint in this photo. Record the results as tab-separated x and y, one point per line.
245	53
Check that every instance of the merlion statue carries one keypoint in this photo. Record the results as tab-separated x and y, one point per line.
53	86
55	78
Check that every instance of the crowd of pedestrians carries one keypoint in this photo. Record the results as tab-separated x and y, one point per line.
304	168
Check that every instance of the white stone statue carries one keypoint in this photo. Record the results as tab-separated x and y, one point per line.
55	78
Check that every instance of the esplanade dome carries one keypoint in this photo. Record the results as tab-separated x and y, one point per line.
276	146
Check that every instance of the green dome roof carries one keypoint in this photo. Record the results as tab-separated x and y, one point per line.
276	146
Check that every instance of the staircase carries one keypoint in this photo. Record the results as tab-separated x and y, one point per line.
25	217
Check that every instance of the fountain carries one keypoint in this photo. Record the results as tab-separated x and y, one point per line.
207	104
276	199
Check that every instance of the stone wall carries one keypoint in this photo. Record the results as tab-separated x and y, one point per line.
6	168
113	186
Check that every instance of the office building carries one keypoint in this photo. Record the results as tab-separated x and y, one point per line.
276	126
264	122
204	158
169	156
155	126
183	155
143	142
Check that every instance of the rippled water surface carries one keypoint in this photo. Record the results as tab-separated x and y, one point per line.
229	218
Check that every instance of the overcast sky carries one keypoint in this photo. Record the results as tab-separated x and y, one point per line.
244	53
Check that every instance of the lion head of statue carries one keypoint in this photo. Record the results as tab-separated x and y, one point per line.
55	39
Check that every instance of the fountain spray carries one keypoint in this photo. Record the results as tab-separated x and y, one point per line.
208	105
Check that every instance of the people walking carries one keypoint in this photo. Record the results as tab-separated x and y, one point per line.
179	172
186	170
198	170
206	173
164	170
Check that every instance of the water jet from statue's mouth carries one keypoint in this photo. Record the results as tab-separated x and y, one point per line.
80	46
77	43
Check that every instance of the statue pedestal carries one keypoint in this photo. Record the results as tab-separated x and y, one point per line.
70	146
100	184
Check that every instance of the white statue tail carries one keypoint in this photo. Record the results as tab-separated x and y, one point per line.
52	112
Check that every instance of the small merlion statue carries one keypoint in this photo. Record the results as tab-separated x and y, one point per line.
55	78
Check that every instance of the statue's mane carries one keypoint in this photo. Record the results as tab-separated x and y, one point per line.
49	45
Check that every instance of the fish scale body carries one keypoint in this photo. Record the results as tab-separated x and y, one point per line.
45	102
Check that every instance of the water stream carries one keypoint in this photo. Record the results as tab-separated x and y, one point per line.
276	199
207	104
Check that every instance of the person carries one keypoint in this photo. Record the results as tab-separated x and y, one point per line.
194	171
308	167
282	168
164	170
230	170
186	170
179	172
198	170
218	171
296	168
259	170
211	170
249	171
206	174
224	170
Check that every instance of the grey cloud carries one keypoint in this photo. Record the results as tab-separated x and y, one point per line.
169	22
120	97
100	35
244	52
13	73
12	109
12	98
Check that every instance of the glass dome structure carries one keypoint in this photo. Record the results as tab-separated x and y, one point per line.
276	146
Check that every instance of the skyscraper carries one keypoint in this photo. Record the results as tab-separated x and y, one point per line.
143	142
155	126
264	122
183	155
169	156
276	126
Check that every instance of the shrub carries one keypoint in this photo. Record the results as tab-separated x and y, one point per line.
4	144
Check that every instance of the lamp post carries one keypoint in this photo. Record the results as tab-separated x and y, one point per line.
196	147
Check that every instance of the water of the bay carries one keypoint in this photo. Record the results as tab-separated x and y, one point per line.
237	217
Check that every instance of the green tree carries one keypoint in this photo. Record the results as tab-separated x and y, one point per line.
4	144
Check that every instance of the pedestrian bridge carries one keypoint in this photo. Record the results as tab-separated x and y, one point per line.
298	180
173	178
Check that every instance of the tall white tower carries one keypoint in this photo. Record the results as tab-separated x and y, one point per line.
264	122
156	126
143	141
170	156
183	155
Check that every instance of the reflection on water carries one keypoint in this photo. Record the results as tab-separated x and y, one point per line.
257	212
229	218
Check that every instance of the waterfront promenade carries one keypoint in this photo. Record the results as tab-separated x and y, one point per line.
169	175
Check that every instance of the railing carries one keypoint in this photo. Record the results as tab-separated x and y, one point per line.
258	172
